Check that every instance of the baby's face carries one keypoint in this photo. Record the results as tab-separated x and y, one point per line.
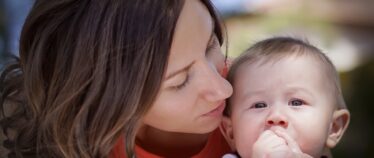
291	93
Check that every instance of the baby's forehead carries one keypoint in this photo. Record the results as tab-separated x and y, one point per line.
302	70
302	63
272	59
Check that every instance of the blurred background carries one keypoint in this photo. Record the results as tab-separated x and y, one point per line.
343	29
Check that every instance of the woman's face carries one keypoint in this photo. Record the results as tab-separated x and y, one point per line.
192	95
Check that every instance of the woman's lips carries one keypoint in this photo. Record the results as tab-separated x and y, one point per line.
217	112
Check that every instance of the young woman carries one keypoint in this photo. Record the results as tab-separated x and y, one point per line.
116	78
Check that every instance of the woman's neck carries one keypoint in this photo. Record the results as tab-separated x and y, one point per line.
170	144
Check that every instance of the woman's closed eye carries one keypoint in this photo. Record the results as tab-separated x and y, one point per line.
259	105
296	102
212	45
183	84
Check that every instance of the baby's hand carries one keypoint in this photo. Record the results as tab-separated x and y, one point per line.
268	143
277	144
294	149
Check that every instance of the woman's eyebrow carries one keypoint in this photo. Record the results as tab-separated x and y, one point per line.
179	71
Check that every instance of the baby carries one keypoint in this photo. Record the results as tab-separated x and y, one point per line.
287	97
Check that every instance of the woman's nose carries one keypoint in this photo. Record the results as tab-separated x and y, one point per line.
216	87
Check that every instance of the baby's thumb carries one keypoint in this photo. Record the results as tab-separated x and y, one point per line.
292	144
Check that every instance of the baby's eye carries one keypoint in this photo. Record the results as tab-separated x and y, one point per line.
259	105
296	102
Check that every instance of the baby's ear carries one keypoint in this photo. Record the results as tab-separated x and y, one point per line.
338	126
227	131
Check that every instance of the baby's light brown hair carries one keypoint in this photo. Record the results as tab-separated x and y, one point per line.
277	48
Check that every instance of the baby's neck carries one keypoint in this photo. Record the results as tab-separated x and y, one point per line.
326	153
170	144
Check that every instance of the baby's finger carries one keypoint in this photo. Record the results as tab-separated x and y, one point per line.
290	141
271	139
265	135
268	142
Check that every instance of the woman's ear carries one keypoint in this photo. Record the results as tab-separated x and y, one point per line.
338	126
227	131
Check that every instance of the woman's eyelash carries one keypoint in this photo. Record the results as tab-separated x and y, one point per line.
211	45
182	85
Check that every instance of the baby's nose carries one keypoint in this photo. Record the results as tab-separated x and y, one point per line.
273	122
277	119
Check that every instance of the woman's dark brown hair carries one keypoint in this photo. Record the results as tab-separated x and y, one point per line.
87	73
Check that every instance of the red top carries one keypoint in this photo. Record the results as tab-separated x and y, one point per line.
216	147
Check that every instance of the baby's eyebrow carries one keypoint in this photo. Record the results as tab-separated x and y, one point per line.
299	89
250	94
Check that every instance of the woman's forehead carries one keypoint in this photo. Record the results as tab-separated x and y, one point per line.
193	31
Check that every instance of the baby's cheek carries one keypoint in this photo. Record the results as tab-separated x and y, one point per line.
245	137
312	143
244	148
310	132
248	126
